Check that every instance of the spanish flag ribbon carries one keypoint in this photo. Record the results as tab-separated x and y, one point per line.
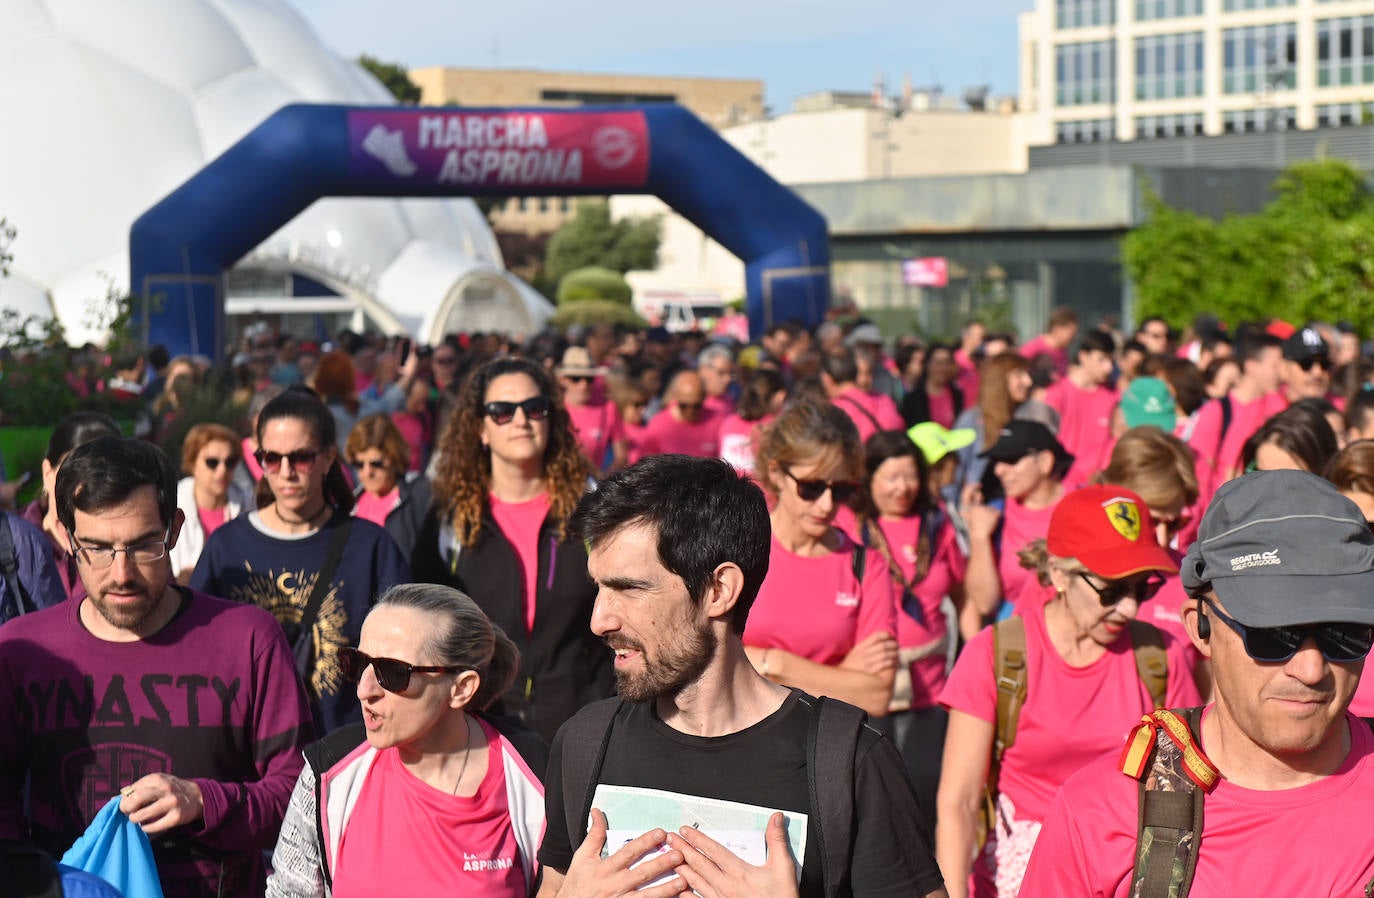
1141	742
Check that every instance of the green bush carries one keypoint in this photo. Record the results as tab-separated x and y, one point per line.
584	312
593	282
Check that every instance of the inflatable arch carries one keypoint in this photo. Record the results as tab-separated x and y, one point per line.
180	249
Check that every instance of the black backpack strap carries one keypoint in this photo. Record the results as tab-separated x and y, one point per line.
585	738
330	564
854	403
26	872
1171	799
832	740
9	569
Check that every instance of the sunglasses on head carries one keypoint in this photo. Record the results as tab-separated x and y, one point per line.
1338	643
392	675
1142	589
214	463
536	408
811	490
301	460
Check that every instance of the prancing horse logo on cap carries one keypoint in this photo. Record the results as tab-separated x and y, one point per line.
1124	516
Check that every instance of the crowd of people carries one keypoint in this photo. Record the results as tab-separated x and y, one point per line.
616	611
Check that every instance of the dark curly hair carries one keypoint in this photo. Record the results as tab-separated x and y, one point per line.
463	478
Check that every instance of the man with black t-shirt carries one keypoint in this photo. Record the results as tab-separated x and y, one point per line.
702	752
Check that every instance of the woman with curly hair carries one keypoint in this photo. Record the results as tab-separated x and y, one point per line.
509	475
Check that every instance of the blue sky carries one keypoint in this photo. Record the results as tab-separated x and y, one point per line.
795	46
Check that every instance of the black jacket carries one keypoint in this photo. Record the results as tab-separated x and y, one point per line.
916	404
562	665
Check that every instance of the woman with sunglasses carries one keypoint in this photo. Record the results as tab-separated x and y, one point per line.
825	617
386	495
428	796
207	497
301	548
509	475
1083	687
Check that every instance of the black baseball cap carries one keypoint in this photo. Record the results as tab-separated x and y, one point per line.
1021	438
1305	344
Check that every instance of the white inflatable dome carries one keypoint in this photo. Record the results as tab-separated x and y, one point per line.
109	106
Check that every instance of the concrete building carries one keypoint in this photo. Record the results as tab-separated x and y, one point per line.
1101	70
835	138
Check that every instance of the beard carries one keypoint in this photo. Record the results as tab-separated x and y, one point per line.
126	616
679	664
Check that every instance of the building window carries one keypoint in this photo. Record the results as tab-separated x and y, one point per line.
1085	73
1083	13
1095	130
1237	5
1246	121
1259	58
1168	65
1146	10
1184	124
1345	51
1335	115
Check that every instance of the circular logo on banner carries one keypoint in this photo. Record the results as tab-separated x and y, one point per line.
613	147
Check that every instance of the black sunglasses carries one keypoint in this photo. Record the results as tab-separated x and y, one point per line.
1142	589
371	464
536	408
392	675
229	463
301	460
1338	643
578	378
1317	361
811	490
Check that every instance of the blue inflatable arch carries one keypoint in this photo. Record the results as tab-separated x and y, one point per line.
180	249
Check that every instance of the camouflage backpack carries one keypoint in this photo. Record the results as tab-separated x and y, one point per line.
1175	777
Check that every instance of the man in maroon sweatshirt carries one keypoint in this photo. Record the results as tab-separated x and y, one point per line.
187	706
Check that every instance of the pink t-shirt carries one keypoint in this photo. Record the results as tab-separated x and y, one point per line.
375	508
1085	418
739	441
968	377
634	441
416	430
1071	716
720	406
404	837
249	446
941	408
211	519
1216	455
1301	841
1363	702
1038	346
520	522
947	566
870	412
664	434
813	607
1020	527
598	426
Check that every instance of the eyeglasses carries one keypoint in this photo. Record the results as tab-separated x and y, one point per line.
101	557
1142	589
214	463
301	460
1338	643
811	490
371	464
392	675
536	408
1315	361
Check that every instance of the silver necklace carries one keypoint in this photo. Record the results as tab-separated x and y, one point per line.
467	752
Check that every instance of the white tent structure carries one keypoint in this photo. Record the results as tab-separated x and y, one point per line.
109	106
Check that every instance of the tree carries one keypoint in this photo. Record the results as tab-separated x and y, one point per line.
394	78
7	232
591	238
593	282
1305	256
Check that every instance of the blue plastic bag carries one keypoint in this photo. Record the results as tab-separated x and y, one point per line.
118	851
